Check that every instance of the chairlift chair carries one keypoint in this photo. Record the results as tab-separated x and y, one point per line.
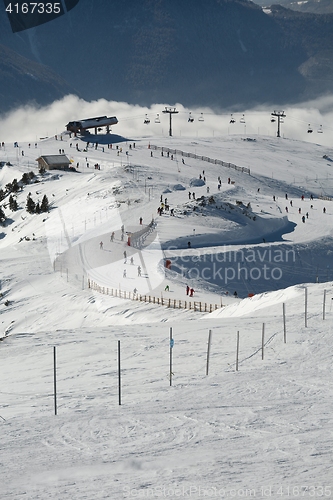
190	118
273	120
201	118
157	119
320	130
242	120
146	120
309	129
232	120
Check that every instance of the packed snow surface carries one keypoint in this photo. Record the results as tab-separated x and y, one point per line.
185	427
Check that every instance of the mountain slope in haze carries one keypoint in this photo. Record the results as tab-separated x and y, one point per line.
24	81
313	6
221	53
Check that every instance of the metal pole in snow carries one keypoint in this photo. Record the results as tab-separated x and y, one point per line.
55	380
306	308
208	350
284	323
262	340
171	347
119	376
324	304
237	351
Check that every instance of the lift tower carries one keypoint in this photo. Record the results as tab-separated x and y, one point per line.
171	112
279	115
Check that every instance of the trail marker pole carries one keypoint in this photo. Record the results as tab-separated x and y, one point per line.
237	351
119	375
171	347
208	350
284	323
306	308
324	304
55	380
262	340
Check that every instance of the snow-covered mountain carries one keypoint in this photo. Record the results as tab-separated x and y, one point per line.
263	429
219	53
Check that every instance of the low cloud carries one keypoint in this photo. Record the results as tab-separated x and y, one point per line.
29	123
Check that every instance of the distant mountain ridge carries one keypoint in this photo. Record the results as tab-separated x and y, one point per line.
311	6
221	53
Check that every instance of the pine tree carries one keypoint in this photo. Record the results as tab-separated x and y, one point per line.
38	208
25	178
2	195
30	206
2	215
45	204
15	186
13	204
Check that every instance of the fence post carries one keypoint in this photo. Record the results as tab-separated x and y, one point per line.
55	380
262	340
171	347
324	304
208	351
119	376
284	323
306	308
237	351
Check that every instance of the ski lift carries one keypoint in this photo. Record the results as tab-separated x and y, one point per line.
320	130
201	118
273	120
242	120
232	120
190	118
146	120
309	129
157	119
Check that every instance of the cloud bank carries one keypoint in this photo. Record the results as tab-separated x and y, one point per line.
30	123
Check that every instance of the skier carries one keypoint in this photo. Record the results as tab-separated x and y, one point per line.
189	195
287	209
132	260
140	221
299	210
112	236
167	289
235	294
193	196
324	210
101	245
291	203
124	273
139	270
187	290
274	198
303	218
188	244
125	254
191	292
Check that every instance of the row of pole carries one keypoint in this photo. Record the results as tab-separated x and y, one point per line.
208	350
